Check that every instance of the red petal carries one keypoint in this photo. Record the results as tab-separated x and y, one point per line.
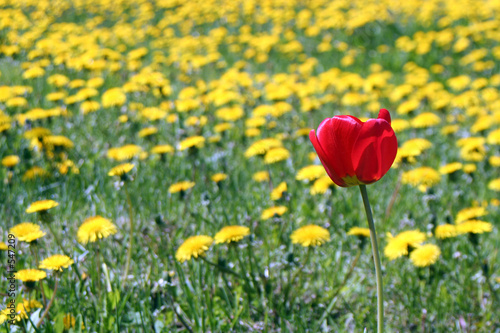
322	158
384	114
375	150
337	136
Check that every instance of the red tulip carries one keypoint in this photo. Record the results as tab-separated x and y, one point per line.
355	152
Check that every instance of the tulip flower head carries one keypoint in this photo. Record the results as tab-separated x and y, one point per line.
355	152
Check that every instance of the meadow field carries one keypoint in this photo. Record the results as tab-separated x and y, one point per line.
157	173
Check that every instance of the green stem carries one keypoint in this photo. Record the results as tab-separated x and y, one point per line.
376	259
46	312
131	234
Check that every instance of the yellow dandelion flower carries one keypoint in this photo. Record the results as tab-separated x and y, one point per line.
10	161
399	125
399	245
30	275
34	172
124	153
121	169
494	137
3	246
494	185
27	232
278	191
445	231
357	231
94	228
36	133
252	132
450	168
40	206
147	132
255	122
425	255
113	97
162	149
470	213
310	235
321	185
276	155
425	119
262	146
273	211
470	168
193	141
181	186
232	233
449	129
494	161
474	227
423	178
232	113
218	177
56	262
24	307
261	176
89	106
194	246
57	141
33	72
219	128
311	172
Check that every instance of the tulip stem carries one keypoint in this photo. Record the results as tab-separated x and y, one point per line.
376	259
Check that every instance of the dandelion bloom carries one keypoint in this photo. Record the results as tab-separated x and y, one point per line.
181	186
276	155
470	213
27	232
278	191
311	172
321	184
194	246
445	231
193	141
262	146
95	228
357	231
273	211
310	235
425	255
41	206
423	178
232	233
124	153
399	246
355	152
30	275
450	168
10	161
218	177
474	227
494	185
148	131
56	262
121	169
21	312
261	176
162	149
